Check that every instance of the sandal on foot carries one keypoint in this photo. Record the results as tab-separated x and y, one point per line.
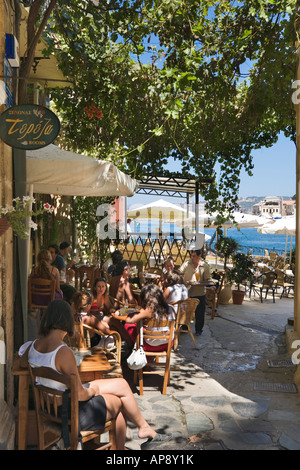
156	441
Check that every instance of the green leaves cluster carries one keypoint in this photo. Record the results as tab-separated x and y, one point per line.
202	81
84	212
242	269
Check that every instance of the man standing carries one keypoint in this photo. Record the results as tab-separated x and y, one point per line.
196	273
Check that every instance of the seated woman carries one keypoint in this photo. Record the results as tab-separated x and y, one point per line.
120	288
99	400
98	310
101	304
153	306
81	307
175	289
168	268
44	270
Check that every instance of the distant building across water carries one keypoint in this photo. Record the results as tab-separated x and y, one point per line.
274	206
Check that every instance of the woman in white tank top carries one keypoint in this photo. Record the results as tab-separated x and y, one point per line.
113	396
175	289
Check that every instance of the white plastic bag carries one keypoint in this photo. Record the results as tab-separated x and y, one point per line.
137	359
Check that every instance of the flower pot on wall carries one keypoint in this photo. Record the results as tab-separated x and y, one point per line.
238	296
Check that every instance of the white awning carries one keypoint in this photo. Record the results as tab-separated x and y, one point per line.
51	170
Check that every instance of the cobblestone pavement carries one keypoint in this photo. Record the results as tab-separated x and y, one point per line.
235	392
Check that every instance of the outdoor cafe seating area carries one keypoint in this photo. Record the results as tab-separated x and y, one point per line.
270	276
106	360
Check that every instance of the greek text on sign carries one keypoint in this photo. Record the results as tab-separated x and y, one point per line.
28	126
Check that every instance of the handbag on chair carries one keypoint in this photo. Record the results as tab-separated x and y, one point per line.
137	359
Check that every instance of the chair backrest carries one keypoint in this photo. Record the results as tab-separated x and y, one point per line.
48	403
186	310
108	349
40	292
167	335
280	277
269	278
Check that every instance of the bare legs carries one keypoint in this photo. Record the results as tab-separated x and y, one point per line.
114	410
120	389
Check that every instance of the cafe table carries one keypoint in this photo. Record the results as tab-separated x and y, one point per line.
119	317
91	367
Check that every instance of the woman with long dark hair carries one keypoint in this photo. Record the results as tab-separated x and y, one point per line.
101	308
153	307
101	303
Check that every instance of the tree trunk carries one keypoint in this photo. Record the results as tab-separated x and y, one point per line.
33	37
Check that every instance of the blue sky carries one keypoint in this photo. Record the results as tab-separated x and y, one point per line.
274	171
274	174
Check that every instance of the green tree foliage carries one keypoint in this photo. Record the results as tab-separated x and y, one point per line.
84	212
202	81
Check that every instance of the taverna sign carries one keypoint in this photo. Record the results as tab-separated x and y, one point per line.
28	126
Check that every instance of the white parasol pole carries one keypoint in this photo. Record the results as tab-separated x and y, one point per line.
291	249
285	250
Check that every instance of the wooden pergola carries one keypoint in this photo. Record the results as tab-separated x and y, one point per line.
171	186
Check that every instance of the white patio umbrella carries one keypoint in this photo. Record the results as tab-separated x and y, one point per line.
51	170
240	220
160	210
154	209
284	226
163	210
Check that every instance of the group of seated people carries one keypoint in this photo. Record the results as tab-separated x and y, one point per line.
105	299
112	397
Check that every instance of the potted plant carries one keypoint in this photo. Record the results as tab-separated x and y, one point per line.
19	215
226	246
240	273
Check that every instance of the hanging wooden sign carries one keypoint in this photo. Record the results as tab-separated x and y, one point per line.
28	126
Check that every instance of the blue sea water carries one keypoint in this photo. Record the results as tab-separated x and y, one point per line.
248	238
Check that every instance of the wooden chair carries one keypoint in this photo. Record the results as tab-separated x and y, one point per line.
264	283
82	341
44	288
50	423
185	314
281	281
85	276
166	366
113	351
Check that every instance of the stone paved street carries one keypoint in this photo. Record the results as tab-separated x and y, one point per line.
225	395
